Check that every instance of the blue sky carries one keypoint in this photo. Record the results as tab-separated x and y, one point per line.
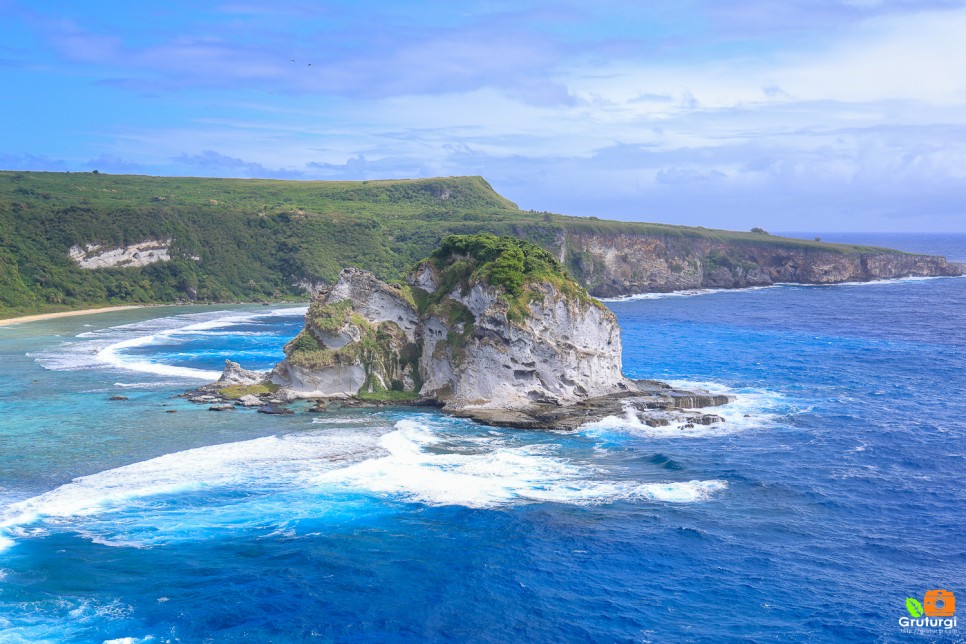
792	115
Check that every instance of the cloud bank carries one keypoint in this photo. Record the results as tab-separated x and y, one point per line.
842	115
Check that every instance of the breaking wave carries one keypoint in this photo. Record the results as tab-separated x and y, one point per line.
111	348
712	291
270	484
751	408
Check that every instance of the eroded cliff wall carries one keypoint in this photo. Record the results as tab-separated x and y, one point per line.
611	265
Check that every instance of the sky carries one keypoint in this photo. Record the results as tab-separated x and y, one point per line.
830	115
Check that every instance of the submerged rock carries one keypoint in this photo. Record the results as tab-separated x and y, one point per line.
275	410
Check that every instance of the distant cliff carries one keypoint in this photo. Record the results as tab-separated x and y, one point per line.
73	240
612	264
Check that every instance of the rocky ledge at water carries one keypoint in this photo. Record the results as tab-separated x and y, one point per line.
488	328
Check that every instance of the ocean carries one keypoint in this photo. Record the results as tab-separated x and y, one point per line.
835	489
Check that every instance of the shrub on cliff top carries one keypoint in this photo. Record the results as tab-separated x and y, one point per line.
506	262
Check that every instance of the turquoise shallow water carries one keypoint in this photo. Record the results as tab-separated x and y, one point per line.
834	491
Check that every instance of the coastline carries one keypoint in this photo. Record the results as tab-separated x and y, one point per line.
64	314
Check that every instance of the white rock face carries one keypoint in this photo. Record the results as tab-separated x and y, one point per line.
388	319
425	278
92	256
564	352
374	300
250	401
234	374
338	381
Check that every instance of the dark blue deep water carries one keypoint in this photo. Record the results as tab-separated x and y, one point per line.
835	490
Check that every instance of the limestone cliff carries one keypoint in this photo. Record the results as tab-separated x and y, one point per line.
485	346
93	256
361	336
611	264
485	323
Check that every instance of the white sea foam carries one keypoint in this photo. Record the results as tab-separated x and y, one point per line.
267	483
683	293
145	385
883	282
132	498
500	476
751	409
711	291
105	348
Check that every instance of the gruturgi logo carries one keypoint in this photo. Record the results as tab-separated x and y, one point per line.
936	612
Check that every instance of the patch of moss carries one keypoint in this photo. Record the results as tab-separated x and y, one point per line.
389	395
234	392
328	318
373	389
405	291
305	351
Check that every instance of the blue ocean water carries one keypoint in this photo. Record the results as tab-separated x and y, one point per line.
834	490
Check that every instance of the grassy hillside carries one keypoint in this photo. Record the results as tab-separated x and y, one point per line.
255	239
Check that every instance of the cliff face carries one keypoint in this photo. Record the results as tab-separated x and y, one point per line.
611	265
361	336
488	332
561	351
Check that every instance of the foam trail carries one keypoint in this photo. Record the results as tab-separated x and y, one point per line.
105	348
684	293
110	355
267	483
503	476
140	496
711	291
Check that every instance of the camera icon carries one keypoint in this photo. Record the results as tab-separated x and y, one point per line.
939	603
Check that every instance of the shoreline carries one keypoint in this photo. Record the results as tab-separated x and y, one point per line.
64	314
39	317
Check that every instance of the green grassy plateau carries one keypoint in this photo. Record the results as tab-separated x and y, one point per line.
255	239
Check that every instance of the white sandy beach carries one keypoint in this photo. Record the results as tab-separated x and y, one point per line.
64	314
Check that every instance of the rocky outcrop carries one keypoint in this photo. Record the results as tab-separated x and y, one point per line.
234	374
93	256
646	402
561	351
361	336
489	328
611	265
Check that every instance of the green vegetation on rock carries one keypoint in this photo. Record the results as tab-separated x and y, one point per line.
305	351
234	392
381	348
514	265
255	240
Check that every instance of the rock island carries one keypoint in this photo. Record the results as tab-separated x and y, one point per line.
490	328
